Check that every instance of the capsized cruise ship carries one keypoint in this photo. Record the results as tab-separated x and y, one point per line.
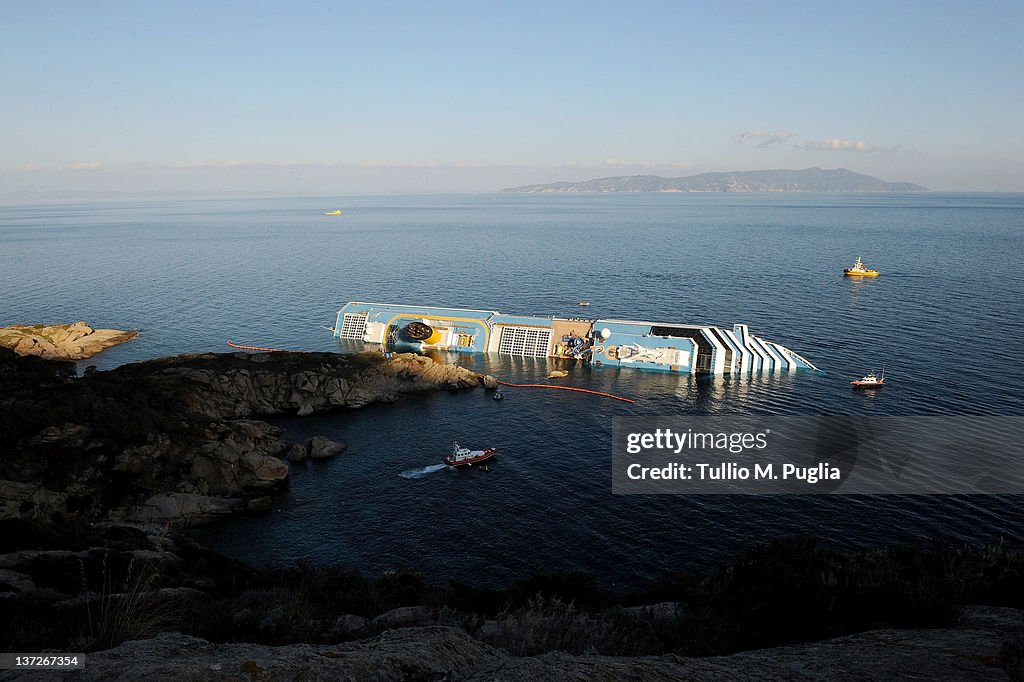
659	346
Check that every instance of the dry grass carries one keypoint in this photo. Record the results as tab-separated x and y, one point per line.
549	624
127	608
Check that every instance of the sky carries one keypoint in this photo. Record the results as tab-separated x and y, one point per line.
337	98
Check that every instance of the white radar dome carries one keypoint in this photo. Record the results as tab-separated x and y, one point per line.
605	333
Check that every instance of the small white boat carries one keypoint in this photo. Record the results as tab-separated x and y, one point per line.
584	303
871	380
464	457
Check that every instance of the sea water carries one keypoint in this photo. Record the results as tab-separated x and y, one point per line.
945	319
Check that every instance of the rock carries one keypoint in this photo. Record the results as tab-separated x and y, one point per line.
490	383
284	382
404	617
417	654
178	434
490	629
322	448
180	506
965	653
75	341
557	374
297	453
260	504
347	625
29	500
21	558
1011	655
665	610
272	469
274	621
71	435
47	574
12	582
152	555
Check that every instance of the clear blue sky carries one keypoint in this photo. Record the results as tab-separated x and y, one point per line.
395	97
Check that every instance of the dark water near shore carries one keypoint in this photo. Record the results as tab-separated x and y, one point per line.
946	319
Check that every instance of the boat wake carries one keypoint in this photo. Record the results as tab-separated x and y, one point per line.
425	471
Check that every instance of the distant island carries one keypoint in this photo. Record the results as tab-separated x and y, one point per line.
806	180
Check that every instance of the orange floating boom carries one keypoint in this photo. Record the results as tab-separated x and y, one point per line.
568	388
268	350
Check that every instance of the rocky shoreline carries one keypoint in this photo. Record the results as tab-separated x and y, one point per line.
76	341
178	440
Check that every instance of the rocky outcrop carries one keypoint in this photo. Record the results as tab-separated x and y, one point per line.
174	440
969	651
322	448
75	341
234	385
297	454
666	610
348	624
404	617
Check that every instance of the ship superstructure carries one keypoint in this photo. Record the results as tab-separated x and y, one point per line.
668	347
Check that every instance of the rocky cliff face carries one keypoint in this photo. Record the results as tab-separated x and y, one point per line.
75	341
228	386
173	440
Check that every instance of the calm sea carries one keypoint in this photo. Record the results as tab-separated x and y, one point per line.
946	320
